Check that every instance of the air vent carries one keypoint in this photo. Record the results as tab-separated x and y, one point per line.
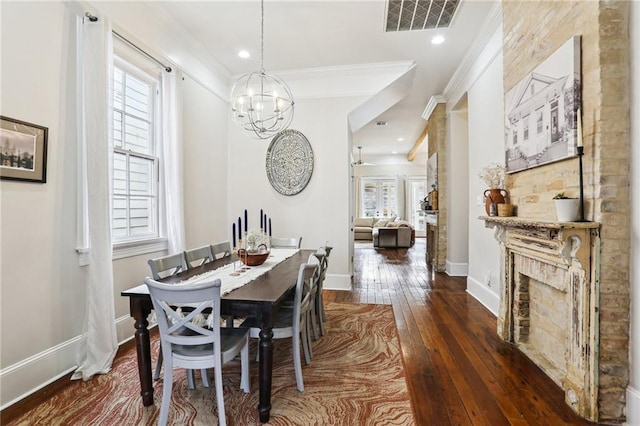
413	15
381	123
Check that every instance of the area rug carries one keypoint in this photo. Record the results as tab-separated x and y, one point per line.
356	378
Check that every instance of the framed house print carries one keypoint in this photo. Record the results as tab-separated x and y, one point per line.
540	111
23	151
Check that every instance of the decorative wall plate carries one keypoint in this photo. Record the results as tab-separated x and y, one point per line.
289	162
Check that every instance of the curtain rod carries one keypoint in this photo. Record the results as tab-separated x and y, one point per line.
166	68
93	18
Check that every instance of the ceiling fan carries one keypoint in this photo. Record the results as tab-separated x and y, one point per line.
360	162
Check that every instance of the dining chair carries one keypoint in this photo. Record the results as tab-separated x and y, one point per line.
292	323
186	343
162	267
319	259
286	242
221	249
319	301
201	255
198	256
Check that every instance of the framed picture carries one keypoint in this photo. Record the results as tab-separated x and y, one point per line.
540	111
23	151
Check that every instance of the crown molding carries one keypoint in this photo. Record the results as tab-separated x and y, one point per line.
431	105
465	71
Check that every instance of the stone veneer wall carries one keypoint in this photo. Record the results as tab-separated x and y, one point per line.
437	135
533	30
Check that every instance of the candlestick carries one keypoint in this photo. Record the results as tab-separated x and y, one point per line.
269	226
580	154
246	220
579	114
233	235
265	221
261	219
239	228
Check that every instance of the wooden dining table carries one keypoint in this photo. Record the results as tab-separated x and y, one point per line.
260	298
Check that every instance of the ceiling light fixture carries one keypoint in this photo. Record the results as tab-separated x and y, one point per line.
244	54
394	152
437	39
400	139
262	104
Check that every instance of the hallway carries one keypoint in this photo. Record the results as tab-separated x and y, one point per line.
458	370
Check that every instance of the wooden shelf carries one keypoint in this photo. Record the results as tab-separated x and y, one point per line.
518	222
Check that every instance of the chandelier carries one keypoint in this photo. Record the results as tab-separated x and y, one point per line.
262	104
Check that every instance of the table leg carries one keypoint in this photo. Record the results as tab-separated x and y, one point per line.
139	311
266	364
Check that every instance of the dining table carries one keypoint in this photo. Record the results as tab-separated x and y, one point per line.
261	298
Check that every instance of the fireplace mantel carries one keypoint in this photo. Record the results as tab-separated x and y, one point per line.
551	267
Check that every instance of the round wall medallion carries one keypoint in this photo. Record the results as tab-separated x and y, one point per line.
289	162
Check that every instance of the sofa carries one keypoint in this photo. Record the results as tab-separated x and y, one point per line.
393	234
363	228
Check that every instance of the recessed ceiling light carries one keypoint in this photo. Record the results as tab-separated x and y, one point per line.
437	39
244	54
400	139
394	152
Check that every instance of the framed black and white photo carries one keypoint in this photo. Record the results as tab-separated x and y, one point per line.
540	111
23	150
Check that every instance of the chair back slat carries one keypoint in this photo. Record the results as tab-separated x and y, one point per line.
221	249
286	242
166	266
198	256
170	300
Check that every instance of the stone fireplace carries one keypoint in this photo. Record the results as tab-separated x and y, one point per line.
549	301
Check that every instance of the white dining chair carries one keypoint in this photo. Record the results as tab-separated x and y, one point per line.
188	344
221	249
163	267
292	323
283	242
198	256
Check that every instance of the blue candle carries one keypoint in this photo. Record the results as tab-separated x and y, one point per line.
261	220
269	226
233	234
239	228
246	220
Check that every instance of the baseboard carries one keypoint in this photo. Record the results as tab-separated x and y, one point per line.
457	269
632	410
484	295
337	282
31	374
23	378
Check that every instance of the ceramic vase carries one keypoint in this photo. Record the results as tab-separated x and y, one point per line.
494	196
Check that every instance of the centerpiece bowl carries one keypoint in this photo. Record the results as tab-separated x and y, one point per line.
254	258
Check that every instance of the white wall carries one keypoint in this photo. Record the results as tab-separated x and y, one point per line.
206	169
486	145
633	392
319	213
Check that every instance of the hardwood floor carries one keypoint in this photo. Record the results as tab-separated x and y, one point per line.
458	371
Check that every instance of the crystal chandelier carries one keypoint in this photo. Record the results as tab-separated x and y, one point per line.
262	104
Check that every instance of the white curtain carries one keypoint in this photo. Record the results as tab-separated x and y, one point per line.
400	193
94	56
357	196
172	154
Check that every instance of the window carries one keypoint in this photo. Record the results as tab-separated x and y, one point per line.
539	121
136	161
525	122
378	197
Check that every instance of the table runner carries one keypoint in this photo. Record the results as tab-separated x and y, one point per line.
232	282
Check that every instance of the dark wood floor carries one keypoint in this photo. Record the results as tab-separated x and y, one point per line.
459	372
